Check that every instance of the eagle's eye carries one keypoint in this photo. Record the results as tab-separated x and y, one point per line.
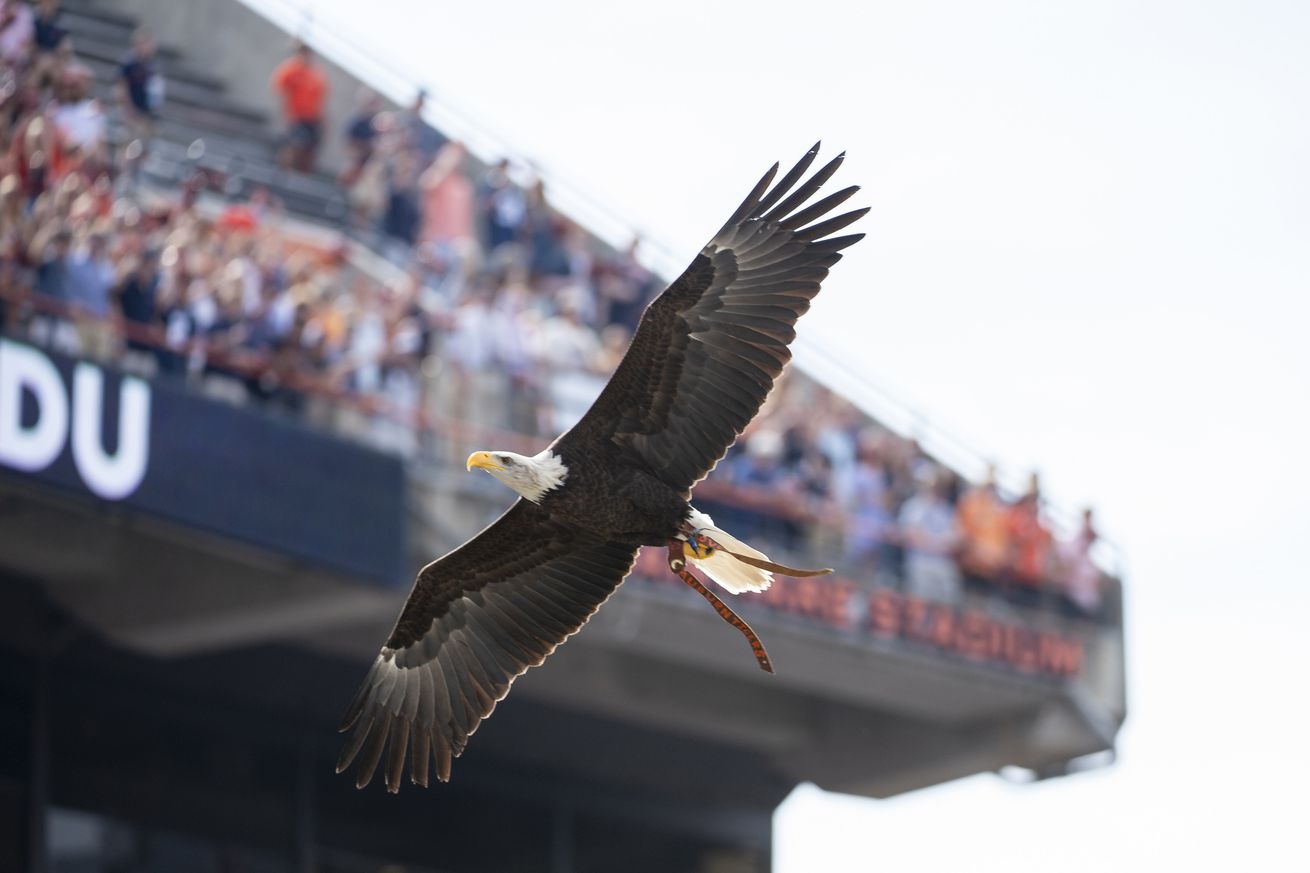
505	460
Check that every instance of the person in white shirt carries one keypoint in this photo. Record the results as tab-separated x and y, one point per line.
81	120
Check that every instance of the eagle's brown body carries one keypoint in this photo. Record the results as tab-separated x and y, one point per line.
610	499
701	363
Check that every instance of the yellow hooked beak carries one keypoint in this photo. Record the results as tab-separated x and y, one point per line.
483	461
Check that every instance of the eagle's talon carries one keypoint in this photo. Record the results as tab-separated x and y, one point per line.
697	545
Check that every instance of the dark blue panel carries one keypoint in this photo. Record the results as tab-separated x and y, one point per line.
243	474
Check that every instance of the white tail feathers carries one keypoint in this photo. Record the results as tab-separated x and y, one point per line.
732	575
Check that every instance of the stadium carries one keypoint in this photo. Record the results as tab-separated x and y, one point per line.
257	310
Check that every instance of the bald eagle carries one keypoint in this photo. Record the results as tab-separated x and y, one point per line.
703	359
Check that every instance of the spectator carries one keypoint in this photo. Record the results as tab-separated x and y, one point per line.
473	391
17	30
448	201
303	87
502	207
869	521
625	286
816	484
567	344
517	325
367	190
14	285
760	469
50	70
420	136
47	34
985	527
141	85
930	534
543	230
1083	580
89	277
401	219
13	231
80	120
1030	544
580	264
361	135
137	298
50	254
32	152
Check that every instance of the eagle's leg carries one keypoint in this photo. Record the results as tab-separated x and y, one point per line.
678	564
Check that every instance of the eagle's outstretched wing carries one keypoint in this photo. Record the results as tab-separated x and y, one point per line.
701	363
709	348
476	620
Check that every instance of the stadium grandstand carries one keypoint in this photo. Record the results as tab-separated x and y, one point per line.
255	314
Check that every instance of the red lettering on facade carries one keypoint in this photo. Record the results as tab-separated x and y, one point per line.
1059	655
969	634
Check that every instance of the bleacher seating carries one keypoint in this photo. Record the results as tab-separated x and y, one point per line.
200	123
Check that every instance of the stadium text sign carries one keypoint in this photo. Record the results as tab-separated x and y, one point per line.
841	605
57	414
974	635
158	449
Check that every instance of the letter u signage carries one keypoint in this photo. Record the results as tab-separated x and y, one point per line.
63	416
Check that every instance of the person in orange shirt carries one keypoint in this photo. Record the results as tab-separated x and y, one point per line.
303	87
985	525
1030	545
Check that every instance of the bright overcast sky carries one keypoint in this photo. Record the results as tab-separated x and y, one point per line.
1089	253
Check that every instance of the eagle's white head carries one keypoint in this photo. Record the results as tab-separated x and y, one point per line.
531	477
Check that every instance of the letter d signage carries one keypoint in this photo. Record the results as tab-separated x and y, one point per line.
34	446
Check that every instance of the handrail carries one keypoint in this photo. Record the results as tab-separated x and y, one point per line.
252	365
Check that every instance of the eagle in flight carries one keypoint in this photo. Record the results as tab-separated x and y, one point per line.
700	364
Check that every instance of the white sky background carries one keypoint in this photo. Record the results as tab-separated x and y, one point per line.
1089	253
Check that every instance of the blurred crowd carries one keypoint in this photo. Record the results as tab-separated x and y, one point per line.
95	264
853	488
500	314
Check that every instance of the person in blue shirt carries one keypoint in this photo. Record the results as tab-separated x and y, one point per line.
142	86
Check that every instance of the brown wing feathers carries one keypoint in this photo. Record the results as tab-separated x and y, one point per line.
476	620
710	347
702	361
